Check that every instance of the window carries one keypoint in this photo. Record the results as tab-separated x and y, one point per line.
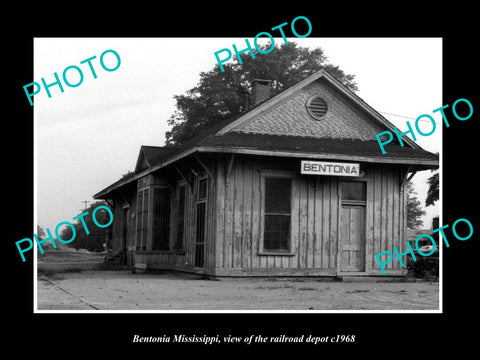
200	234
277	214
354	191
202	189
161	219
142	219
180	223
201	209
153	217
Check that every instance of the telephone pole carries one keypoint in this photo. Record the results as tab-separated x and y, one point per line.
85	203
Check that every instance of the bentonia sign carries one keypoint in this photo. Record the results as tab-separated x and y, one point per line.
330	168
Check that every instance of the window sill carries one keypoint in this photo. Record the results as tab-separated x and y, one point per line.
275	253
354	202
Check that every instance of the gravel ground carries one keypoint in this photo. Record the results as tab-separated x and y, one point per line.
122	290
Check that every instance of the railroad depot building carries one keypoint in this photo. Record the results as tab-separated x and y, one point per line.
295	186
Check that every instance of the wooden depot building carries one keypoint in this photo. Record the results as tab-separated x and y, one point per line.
295	186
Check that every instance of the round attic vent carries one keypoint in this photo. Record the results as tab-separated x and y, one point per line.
317	107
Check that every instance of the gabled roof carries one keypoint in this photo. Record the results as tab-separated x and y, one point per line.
226	137
149	159
321	74
318	148
150	156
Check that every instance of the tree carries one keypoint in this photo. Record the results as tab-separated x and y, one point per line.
94	241
414	210
220	95
433	190
41	233
127	174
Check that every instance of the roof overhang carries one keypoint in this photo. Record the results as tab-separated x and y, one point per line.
319	156
422	164
123	182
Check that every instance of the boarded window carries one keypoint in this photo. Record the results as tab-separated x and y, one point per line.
277	214
161	219
180	223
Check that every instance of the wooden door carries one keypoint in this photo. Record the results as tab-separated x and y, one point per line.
352	238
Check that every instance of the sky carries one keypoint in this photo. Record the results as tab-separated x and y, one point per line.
88	136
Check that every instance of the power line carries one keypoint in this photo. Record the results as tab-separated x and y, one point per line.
85	202
406	117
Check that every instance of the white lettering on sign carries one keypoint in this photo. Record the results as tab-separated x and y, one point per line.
329	168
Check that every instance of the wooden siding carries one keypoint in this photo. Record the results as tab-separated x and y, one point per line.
239	223
386	215
315	219
184	259
233	228
126	199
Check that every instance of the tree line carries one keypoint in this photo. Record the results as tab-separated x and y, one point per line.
94	241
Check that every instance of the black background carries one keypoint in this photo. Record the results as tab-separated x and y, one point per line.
381	334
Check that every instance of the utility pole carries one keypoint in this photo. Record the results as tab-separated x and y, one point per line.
85	203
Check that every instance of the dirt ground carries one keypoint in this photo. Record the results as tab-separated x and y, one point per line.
123	290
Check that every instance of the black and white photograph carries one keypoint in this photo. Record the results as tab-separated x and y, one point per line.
226	180
287	182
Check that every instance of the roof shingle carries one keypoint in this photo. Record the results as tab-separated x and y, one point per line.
303	144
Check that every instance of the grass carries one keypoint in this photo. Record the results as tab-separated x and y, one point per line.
59	256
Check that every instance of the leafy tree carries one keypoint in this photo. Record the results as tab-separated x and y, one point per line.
433	190
127	174
41	234
220	95
414	210
94	241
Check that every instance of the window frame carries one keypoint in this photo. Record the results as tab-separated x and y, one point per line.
353	202
201	179
142	221
279	174
176	248
151	236
204	201
143	185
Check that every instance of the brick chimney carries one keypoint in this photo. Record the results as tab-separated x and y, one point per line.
260	91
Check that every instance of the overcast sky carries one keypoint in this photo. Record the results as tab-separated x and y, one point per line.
88	136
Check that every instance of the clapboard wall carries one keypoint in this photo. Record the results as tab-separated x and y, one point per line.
233	222
315	220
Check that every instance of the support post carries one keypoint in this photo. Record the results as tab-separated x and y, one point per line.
190	183
207	170
229	170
